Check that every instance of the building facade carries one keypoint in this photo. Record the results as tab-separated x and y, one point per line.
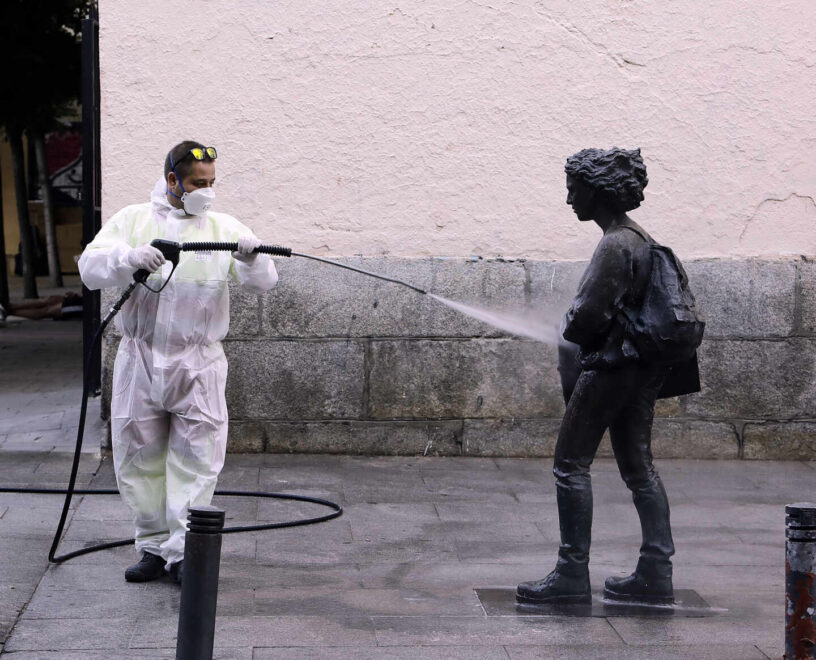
426	141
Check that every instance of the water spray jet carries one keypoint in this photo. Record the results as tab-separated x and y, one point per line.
514	322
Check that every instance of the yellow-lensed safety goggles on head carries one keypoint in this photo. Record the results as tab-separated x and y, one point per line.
200	153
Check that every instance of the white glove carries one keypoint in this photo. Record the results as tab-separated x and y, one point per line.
246	248
145	256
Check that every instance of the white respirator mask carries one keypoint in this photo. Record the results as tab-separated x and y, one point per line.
199	201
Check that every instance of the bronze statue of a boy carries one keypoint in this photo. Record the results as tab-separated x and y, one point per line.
614	385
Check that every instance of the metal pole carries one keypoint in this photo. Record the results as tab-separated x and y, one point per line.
91	187
4	290
199	587
800	581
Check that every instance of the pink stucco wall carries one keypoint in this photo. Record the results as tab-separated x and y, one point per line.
416	128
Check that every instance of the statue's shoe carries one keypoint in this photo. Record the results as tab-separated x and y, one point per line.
555	588
640	588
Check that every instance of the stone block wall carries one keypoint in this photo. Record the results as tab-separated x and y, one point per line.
335	362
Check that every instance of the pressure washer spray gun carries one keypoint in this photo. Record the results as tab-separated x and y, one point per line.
169	249
172	250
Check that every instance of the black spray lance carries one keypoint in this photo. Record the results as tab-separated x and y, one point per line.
171	250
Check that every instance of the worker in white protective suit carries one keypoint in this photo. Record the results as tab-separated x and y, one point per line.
168	409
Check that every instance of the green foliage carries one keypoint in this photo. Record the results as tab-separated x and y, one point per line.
41	54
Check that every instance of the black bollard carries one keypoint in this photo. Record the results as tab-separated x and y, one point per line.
199	586
800	581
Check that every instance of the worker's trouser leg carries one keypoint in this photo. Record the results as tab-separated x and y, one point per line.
139	459
194	460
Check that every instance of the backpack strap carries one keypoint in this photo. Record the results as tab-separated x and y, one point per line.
628	314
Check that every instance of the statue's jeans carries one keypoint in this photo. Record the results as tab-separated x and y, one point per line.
621	400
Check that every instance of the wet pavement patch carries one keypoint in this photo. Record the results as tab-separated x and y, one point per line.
688	603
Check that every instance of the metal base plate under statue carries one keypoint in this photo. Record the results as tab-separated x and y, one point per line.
687	603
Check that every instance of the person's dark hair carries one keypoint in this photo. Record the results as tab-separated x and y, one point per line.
183	165
618	176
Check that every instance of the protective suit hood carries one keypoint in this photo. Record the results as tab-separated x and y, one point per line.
162	208
158	199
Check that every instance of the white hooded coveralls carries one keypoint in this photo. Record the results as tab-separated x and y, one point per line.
168	408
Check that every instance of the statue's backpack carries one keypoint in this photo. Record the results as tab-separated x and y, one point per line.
668	327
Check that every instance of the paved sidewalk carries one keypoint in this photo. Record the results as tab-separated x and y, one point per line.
41	388
395	576
41	380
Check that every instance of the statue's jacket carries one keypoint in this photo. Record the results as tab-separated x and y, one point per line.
616	278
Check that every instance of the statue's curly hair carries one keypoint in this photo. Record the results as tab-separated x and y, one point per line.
618	176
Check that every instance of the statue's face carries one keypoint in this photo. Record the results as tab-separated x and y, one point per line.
581	198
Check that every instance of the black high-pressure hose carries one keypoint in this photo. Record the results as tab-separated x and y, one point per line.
279	251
